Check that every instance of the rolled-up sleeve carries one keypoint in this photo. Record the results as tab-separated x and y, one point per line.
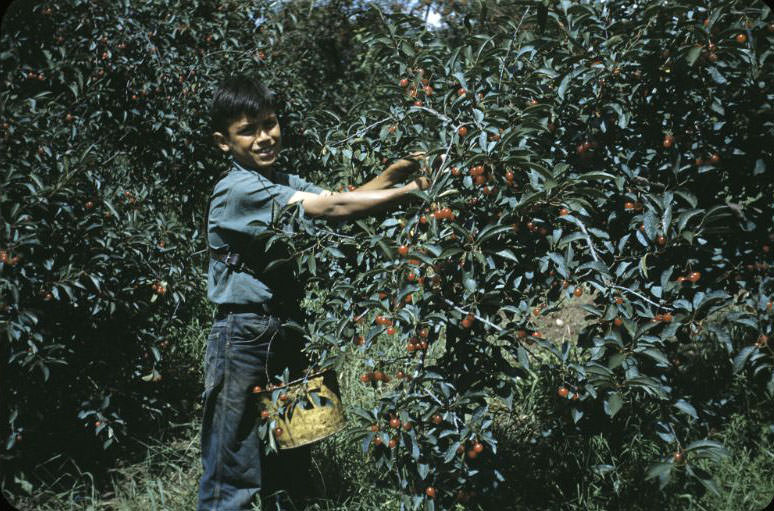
300	183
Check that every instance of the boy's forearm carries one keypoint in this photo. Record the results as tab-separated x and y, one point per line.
361	201
380	182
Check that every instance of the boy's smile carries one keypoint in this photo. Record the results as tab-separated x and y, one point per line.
253	142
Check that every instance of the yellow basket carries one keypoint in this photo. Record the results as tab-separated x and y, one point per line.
311	412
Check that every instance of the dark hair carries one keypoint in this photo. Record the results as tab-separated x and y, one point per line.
237	96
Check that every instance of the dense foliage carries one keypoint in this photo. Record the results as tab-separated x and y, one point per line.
616	149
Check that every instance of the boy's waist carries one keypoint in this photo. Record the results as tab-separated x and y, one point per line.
238	308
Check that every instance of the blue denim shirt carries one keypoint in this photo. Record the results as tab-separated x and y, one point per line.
242	197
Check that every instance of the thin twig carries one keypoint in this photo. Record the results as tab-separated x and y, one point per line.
360	132
637	294
449	302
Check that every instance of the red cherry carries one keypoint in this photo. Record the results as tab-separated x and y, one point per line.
563	391
264	414
403	250
741	38
404	82
462	131
437	419
478	447
395	423
377	440
365	377
393	442
668	140
430	492
390	331
278	431
578	291
257	389
694	277
461	91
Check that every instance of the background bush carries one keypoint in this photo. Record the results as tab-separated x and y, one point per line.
623	151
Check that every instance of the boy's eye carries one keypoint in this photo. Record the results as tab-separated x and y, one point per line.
268	124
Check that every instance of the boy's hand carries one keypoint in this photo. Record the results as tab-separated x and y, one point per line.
421	183
403	168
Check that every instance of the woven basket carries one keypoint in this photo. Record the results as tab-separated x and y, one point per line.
312	411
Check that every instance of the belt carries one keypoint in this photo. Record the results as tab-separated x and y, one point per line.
237	308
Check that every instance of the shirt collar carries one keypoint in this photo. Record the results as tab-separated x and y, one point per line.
237	166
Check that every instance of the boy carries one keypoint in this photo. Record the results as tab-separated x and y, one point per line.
247	341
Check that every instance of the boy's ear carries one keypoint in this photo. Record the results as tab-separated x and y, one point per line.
220	141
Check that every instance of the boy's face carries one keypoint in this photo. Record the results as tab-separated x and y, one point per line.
253	142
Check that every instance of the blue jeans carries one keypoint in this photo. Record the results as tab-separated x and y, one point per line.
236	470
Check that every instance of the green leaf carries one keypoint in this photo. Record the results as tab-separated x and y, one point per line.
693	54
658	469
507	254
741	358
613	404
686	407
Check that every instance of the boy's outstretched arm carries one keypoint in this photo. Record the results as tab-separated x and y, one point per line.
340	206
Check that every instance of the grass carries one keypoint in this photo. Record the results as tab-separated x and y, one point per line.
539	473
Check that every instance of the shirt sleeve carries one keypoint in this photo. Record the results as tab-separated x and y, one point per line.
298	183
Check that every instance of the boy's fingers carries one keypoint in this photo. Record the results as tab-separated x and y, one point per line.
423	182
